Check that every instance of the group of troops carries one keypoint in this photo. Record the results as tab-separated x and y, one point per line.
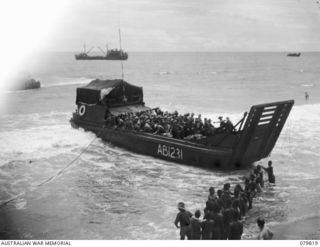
225	210
168	124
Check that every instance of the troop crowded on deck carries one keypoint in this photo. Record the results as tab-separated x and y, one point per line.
187	126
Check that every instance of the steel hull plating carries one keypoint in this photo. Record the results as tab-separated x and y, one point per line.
165	148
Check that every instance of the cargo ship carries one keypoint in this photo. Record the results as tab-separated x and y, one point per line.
250	140
113	54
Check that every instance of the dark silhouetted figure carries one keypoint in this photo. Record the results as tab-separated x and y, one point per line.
306	95
235	229
212	196
207	226
269	170
240	195
220	200
265	233
226	193
260	173
227	218
183	218
196	226
236	208
257	180
218	228
250	189
229	125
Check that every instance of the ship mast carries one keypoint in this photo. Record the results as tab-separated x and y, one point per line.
121	55
120	39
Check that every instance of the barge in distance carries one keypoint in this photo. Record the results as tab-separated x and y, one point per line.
253	138
294	54
23	83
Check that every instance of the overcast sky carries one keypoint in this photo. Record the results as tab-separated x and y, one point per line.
185	25
164	25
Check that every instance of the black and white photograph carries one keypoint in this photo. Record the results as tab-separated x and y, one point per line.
159	120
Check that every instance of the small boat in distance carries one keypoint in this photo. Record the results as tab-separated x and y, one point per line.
103	104
23	82
294	54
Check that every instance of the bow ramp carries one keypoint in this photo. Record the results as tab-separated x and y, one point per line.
261	131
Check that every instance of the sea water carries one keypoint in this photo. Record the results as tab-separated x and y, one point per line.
63	183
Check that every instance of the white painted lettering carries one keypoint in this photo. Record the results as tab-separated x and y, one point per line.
169	151
159	149
178	153
172	153
165	151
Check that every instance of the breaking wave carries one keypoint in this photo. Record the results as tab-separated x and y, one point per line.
69	81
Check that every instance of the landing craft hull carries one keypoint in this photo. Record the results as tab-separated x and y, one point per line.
227	151
165	148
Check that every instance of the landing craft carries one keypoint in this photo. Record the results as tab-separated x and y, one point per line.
23	83
294	54
252	139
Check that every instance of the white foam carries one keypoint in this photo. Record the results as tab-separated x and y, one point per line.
64	82
306	112
42	141
20	204
303	122
70	81
166	72
307	85
5	91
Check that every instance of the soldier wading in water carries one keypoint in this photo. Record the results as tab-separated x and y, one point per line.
224	213
184	220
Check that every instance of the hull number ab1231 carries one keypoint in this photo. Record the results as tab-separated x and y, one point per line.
169	151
